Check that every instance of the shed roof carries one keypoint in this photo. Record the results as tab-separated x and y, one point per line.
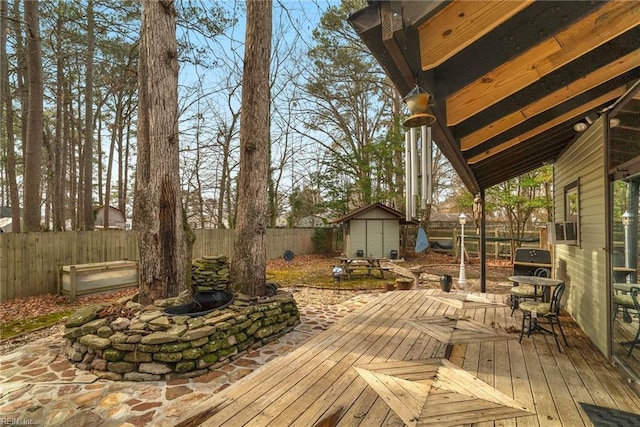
508	79
359	211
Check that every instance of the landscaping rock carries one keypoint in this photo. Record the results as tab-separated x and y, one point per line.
84	315
153	346
94	341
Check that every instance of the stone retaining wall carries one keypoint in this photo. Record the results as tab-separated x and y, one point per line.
135	344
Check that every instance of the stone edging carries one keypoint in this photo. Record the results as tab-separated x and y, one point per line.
152	346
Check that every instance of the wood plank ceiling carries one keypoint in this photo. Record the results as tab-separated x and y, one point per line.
509	79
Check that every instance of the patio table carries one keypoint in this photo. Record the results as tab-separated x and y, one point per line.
542	282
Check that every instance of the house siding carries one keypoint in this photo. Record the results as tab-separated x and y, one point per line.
584	267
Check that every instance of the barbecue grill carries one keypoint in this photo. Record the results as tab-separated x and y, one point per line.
528	260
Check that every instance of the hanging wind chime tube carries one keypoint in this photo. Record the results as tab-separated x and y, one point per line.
423	167
414	171
429	166
407	175
414	162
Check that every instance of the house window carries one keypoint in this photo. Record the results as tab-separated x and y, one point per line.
572	210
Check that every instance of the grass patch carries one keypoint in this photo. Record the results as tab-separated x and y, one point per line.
18	327
323	279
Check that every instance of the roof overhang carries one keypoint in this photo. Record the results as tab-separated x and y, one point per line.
508	79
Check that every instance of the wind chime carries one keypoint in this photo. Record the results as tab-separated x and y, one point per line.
418	155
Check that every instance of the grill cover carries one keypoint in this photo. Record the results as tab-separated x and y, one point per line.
536	257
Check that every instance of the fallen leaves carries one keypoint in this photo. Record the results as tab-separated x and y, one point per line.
40	305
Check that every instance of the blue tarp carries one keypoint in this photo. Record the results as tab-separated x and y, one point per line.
422	242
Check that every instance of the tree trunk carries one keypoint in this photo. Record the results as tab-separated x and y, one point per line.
70	157
5	94
59	173
35	119
87	188
123	156
117	124
248	265
157	209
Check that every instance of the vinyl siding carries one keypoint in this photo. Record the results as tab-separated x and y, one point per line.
583	267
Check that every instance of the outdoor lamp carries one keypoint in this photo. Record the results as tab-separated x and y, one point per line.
417	102
580	127
463	219
626	218
462	278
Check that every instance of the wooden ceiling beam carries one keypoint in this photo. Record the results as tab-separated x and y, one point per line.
609	21
460	24
581	85
550	124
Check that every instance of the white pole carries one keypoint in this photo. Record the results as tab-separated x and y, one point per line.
429	166
414	170
462	279
424	167
407	176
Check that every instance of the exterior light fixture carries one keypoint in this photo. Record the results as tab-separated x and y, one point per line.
580	127
583	124
462	278
417	102
626	218
614	122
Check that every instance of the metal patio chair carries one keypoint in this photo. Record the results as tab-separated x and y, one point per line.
524	292
535	313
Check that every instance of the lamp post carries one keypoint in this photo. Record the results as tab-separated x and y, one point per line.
626	221
462	279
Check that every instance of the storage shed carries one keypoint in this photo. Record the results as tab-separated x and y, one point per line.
372	231
116	218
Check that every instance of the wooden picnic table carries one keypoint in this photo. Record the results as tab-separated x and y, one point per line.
368	264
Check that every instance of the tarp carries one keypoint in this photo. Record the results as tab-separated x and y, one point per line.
422	242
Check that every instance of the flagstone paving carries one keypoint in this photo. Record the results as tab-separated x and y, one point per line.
39	386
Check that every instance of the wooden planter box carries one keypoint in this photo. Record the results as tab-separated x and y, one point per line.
85	279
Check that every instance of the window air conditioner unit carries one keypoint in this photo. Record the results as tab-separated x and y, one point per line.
562	233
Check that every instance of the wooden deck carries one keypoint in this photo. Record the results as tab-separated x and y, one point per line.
318	384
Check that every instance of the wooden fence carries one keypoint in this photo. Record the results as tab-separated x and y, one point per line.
497	244
29	262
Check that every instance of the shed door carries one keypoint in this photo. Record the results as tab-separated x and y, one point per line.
391	236
375	241
358	236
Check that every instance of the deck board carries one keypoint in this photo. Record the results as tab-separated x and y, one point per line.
388	345
318	380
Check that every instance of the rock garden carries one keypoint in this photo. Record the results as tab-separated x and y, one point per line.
126	341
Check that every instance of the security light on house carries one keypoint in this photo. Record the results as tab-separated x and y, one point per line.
417	102
583	124
580	127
